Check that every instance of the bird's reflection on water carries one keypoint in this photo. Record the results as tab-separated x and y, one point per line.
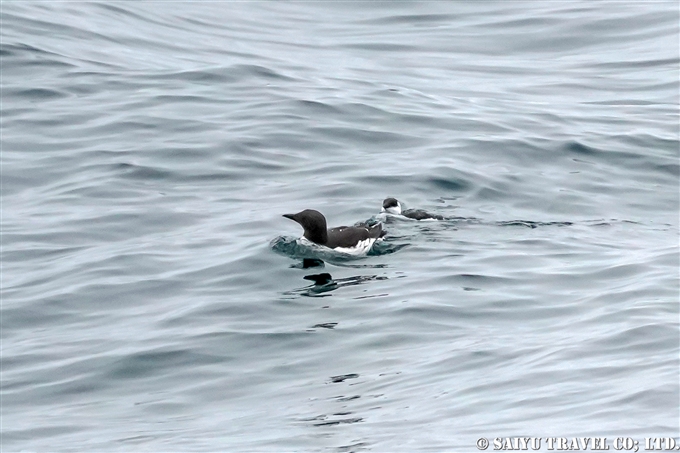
308	263
324	283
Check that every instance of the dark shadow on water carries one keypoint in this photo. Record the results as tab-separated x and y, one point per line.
327	420
325	325
320	279
343	377
324	284
358	446
340	421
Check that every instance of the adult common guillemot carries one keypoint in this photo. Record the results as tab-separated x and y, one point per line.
354	240
392	206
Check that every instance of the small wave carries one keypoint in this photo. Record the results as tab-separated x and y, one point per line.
36	94
531	224
226	74
142	172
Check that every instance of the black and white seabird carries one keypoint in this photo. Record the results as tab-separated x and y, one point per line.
392	206
354	240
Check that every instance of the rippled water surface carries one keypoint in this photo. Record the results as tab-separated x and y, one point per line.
154	299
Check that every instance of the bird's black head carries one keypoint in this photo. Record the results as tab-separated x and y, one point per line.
314	224
392	206
390	203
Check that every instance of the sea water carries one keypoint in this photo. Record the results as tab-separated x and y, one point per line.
151	300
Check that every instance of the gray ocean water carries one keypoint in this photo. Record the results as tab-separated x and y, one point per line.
151	301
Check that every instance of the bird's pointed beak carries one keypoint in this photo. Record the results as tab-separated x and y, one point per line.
289	216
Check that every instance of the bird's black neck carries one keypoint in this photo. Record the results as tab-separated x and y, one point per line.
317	235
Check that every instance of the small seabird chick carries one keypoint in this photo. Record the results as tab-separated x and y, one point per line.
354	240
392	206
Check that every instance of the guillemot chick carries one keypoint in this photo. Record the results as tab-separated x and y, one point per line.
353	240
392	206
